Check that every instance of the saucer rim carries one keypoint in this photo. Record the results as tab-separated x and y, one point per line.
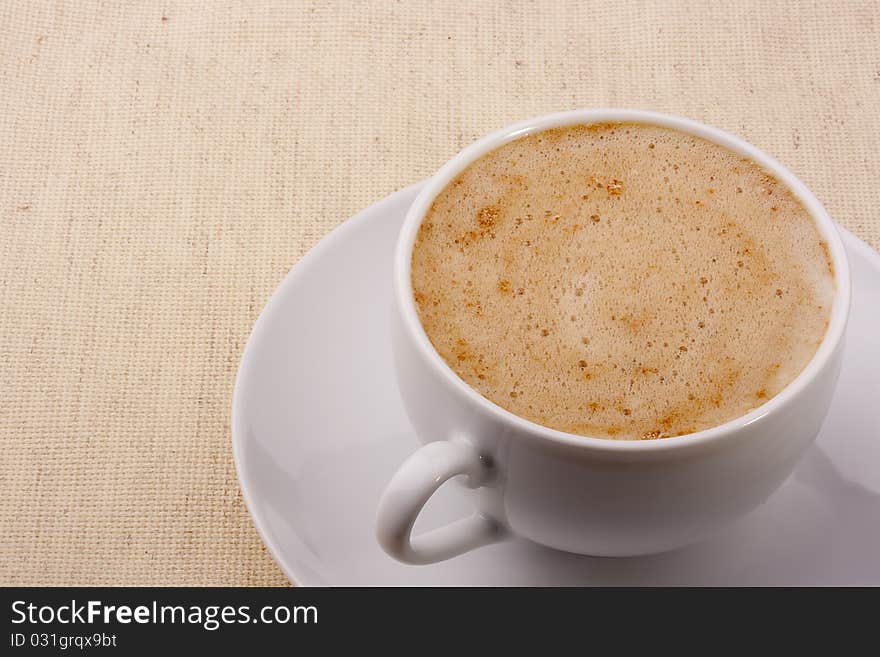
261	324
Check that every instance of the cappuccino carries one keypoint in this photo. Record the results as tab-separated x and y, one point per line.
623	281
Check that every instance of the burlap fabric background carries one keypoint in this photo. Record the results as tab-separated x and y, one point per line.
163	164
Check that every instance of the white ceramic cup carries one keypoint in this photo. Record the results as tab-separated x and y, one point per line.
589	495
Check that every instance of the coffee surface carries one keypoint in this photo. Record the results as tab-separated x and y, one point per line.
621	281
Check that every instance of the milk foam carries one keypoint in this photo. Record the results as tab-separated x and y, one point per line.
622	281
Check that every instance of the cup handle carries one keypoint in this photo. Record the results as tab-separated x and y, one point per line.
413	485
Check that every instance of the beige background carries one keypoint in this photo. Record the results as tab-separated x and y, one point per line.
163	164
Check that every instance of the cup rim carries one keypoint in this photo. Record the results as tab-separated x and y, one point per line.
403	293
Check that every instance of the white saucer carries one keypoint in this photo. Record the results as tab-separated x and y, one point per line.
318	430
